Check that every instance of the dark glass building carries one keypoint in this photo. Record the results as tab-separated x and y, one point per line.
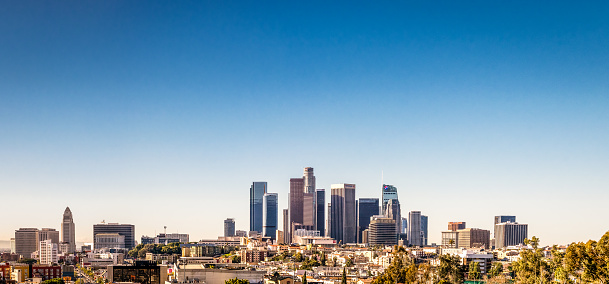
270	213
320	196
126	230
257	191
343	213
367	208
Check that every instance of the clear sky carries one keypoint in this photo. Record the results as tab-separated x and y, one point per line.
163	113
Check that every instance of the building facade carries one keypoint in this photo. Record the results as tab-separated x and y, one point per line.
474	238
229	227
126	230
26	241
68	230
414	228
367	207
382	231
344	227
394	212
455	226
257	191
269	215
510	234
424	229
320	203
48	252
390	192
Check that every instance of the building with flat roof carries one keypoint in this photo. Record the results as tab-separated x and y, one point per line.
320	204
450	239
382	231
143	272
414	228
26	241
367	207
344	226
455	226
474	238
257	191
125	230
229	227
269	215
510	234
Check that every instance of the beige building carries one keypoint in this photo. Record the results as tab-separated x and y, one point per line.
474	238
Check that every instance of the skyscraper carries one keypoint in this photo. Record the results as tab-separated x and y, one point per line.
309	180
286	227
368	207
296	201
270	213
414	228
257	191
454	226
424	220
510	234
229	227
502	219
68	230
320	203
394	212
344	227
382	231
389	192
125	230
48	234
474	238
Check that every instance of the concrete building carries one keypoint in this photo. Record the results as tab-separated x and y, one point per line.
455	226
309	180
344	226
48	252
126	230
269	215
367	207
296	201
382	231
414	228
142	272
474	238
257	191
165	239
286	228
186	273
450	239
109	240
68	230
389	192
510	234
404	226
26	241
48	234
320	203
229	227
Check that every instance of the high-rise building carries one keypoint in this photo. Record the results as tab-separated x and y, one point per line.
502	219
48	234
344	227
320	203
454	226
296	201
229	227
308	209
382	231
404	226
257	191
474	238
309	180
286	227
394	212
329	220
270	212
367	207
510	234
25	241
68	230
450	239
424	223
126	230
390	192
414	228
47	252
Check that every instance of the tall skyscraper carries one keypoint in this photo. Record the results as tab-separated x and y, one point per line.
502	219
320	203
414	228
510	234
394	212
296	201
309	180
344	227
257	191
68	230
125	230
368	207
424	220
382	231
229	227
286	227
270	213
390	192
329	220
404	226
25	241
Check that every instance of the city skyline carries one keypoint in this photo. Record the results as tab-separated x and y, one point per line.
472	110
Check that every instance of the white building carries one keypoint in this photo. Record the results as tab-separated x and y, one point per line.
47	252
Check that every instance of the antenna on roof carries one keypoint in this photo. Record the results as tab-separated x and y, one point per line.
164	229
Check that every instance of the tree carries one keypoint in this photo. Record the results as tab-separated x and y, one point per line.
304	278
496	269
322	259
237	281
349	262
531	268
474	270
28	261
53	281
298	257
235	259
401	270
344	277
450	270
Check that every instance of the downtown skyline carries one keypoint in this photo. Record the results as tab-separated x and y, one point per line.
471	110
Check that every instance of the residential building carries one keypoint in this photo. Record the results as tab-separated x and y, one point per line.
257	191
68	230
344	227
367	207
382	231
126	230
510	234
269	215
25	241
229	227
48	252
474	238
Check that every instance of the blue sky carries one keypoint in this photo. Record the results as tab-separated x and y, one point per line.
163	113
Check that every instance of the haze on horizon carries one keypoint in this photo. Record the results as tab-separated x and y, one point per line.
163	113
